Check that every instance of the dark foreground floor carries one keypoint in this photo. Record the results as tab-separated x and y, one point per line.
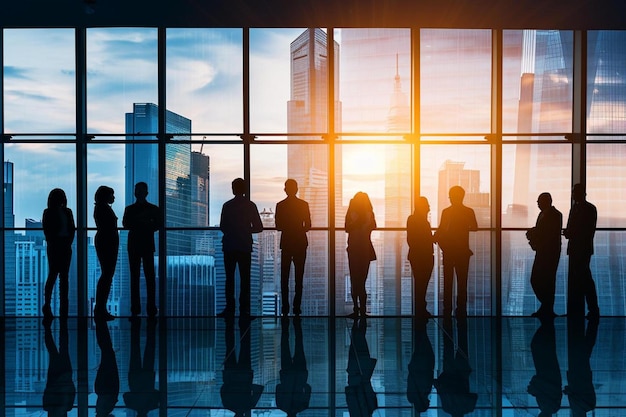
314	366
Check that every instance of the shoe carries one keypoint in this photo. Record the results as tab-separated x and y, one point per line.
225	313
353	315
103	316
47	311
593	315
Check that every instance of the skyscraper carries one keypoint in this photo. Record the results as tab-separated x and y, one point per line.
307	113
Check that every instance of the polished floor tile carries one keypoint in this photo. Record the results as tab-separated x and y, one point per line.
314	366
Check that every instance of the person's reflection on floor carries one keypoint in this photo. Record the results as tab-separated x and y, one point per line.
293	393
238	393
580	343
107	383
142	395
421	367
453	385
545	385
360	395
60	391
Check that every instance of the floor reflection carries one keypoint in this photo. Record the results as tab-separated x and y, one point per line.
314	366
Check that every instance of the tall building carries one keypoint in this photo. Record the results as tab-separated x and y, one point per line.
187	200
9	290
307	113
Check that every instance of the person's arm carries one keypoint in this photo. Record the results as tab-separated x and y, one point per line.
256	225
71	225
307	217
126	221
473	226
278	218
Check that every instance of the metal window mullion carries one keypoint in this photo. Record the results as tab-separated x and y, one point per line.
579	110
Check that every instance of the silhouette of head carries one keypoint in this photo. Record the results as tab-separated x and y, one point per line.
421	206
104	195
239	186
141	190
291	187
57	198
456	194
361	203
544	201
578	193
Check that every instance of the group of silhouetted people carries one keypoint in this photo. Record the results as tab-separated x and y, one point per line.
545	240
240	219
142	219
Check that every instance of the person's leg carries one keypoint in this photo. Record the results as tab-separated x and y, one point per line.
422	269
230	264
591	295
150	275
462	269
448	278
299	260
134	265
575	287
64	283
244	262
285	266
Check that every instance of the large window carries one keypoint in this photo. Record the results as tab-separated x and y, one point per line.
396	113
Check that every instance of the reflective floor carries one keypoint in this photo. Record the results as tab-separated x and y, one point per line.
314	366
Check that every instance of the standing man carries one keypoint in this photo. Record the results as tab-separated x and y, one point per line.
545	240
580	230
419	237
457	221
240	218
293	219
142	219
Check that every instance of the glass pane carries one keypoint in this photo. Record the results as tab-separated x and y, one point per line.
606	181
389	281
537	81
205	78
381	171
444	166
529	170
374	80
455	80
39	79
518	297
307	164
608	271
33	172
121	71
606	82
288	80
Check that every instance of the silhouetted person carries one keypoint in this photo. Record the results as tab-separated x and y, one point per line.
142	395
452	235
421	368
293	393
420	239
579	389
107	242
60	391
239	220
293	219
59	229
453	384
238	393
360	222
142	219
580	230
546	384
107	383
360	395
545	240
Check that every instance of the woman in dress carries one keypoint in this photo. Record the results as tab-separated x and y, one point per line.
419	236
107	243
360	222
59	228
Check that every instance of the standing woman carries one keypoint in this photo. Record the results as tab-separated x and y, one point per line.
107	242
59	229
360	222
420	239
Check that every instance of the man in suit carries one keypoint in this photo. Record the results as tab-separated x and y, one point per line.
293	219
142	219
580	230
239	219
545	240
452	236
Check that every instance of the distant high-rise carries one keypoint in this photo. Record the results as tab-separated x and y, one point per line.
307	113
